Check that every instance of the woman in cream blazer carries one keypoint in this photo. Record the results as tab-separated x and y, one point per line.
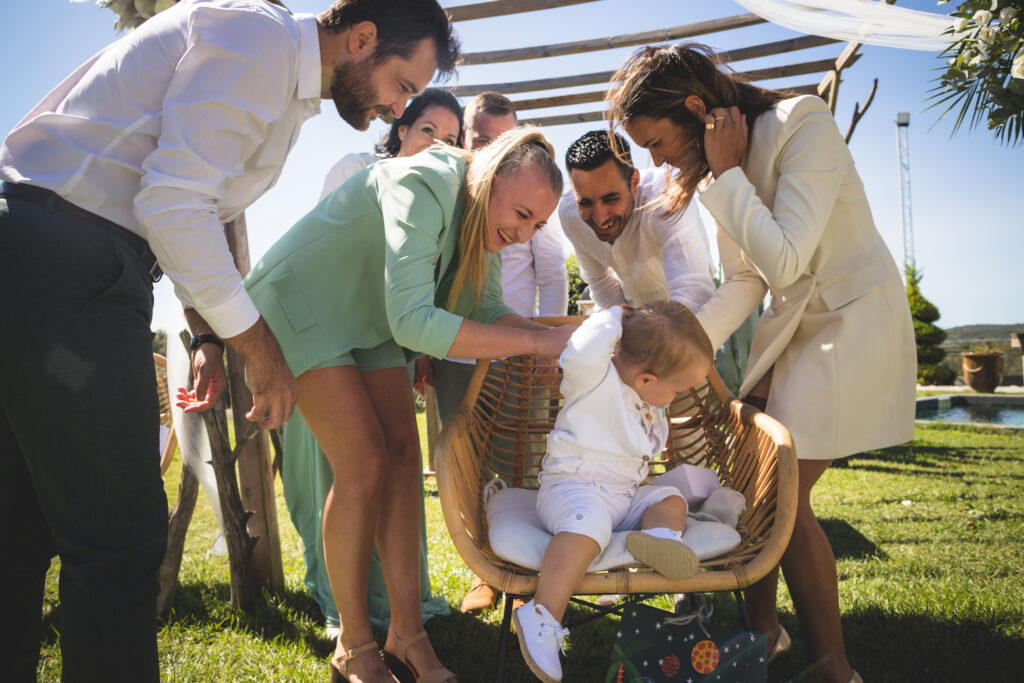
834	356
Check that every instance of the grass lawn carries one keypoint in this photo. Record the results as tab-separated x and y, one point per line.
927	536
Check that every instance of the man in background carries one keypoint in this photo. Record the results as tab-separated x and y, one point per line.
630	250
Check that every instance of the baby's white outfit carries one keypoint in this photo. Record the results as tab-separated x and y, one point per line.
604	436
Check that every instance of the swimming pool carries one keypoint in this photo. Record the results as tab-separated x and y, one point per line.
1004	411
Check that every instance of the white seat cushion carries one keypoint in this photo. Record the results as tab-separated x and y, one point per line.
517	535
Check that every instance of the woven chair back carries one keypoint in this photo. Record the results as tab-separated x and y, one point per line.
501	429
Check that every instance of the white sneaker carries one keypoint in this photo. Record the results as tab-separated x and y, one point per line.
540	638
669	557
332	632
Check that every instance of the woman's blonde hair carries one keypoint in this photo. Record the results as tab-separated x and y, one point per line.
655	83
508	153
662	337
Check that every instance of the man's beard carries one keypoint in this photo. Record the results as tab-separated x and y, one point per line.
355	97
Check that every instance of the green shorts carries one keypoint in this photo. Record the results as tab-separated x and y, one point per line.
387	354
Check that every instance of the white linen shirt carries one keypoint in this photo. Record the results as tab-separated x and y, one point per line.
175	129
533	275
345	168
605	432
656	257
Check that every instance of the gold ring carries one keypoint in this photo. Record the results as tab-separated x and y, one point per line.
709	126
719	118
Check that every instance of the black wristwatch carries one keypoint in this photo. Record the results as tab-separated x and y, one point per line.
201	339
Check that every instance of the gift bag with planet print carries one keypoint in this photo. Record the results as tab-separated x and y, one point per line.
653	646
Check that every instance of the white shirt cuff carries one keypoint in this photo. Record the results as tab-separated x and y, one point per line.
232	317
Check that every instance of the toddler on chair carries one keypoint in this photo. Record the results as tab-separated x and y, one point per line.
620	368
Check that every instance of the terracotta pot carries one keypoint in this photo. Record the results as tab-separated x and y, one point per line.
983	371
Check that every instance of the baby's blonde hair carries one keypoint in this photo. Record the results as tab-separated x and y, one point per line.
508	153
662	337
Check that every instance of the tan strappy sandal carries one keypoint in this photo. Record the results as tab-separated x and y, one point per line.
339	665
783	644
404	671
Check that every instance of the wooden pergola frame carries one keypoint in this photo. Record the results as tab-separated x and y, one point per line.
827	85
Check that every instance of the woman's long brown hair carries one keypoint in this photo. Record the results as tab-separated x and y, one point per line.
655	83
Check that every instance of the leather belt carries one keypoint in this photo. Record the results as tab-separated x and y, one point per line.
54	202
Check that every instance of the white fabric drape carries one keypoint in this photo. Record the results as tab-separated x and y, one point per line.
872	22
191	431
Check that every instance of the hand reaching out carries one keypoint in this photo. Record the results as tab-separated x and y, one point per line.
423	375
273	386
551	342
210	380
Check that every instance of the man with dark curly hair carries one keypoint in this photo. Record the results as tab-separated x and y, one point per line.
630	249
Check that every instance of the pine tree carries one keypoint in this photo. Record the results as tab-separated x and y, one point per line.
927	335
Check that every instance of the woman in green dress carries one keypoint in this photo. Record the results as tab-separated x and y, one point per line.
306	474
402	259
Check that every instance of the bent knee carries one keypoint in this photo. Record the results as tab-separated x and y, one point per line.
673	505
362	475
403	450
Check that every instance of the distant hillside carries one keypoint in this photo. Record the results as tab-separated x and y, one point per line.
968	332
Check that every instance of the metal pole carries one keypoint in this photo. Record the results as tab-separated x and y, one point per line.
902	126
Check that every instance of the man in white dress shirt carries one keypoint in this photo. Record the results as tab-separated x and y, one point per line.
127	168
629	249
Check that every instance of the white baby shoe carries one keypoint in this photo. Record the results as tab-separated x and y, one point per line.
663	551
540	638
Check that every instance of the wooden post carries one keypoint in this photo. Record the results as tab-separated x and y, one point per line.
255	475
177	523
241	543
433	426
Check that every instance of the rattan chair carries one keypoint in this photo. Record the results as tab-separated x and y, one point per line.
160	363
503	423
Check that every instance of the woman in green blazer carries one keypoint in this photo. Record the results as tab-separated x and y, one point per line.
306	474
402	259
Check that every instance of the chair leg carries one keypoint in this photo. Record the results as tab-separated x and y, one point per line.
503	641
743	609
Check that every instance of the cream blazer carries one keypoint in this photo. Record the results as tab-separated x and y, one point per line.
793	220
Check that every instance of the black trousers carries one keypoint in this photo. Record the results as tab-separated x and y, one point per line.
79	434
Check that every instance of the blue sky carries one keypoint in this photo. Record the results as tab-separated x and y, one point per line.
968	228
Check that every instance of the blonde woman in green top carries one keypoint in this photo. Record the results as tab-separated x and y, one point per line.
402	259
432	116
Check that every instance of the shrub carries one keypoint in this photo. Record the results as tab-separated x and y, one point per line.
576	284
930	355
935	374
927	335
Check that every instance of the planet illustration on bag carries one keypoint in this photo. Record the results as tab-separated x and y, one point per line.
704	657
